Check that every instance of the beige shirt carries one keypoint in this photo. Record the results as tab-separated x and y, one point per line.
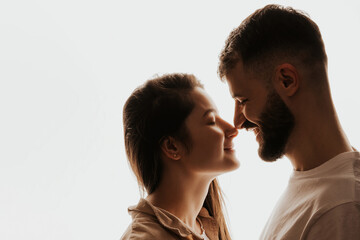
150	222
322	203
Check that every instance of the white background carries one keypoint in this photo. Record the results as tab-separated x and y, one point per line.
66	68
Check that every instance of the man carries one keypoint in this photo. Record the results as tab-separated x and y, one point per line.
276	67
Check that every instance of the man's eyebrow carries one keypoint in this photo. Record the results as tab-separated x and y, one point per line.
237	95
210	110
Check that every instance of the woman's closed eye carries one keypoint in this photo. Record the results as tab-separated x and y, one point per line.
211	120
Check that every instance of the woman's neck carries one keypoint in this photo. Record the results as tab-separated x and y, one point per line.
182	196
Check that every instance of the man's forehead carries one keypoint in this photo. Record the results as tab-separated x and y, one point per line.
242	80
236	85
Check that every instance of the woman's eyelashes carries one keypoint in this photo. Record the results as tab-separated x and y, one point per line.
211	123
212	120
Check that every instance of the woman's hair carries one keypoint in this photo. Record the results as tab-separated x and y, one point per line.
156	110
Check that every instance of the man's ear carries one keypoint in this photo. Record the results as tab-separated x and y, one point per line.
287	81
170	147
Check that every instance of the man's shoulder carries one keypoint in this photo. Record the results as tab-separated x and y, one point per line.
344	210
339	222
335	183
341	186
329	191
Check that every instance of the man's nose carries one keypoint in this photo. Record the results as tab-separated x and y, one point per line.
239	117
239	120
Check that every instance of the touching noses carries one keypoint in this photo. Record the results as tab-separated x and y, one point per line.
230	131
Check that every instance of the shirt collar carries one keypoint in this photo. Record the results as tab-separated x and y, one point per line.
173	223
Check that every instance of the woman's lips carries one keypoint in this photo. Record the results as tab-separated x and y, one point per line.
229	147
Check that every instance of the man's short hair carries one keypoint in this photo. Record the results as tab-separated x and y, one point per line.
270	33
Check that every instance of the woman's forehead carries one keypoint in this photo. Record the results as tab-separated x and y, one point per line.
202	101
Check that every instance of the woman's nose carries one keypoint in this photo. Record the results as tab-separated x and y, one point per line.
231	132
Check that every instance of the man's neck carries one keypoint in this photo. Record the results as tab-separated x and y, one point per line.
311	146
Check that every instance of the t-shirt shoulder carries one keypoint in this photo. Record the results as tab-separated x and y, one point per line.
340	222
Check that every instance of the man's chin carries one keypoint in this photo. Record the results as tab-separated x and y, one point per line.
269	155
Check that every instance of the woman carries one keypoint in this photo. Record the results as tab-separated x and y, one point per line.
176	145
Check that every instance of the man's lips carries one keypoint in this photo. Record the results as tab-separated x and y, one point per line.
256	130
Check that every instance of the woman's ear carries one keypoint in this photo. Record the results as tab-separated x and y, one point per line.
287	81
171	148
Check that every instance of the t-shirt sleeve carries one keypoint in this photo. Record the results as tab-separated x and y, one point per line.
341	222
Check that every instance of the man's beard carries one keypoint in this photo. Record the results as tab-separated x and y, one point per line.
276	124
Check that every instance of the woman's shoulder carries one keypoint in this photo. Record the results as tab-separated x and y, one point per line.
146	230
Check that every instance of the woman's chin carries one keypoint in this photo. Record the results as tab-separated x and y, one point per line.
232	164
236	164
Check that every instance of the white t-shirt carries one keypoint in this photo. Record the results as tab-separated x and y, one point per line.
321	203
